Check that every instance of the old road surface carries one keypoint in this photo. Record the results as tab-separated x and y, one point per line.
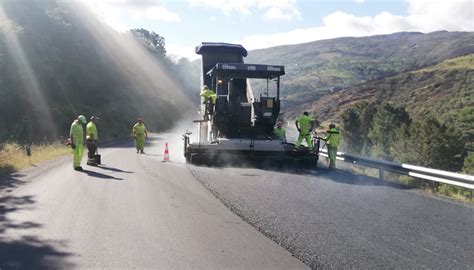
136	211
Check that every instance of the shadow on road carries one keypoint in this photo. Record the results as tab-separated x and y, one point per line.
100	175
10	181
112	169
27	252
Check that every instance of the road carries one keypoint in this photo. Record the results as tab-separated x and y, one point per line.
337	220
138	212
133	212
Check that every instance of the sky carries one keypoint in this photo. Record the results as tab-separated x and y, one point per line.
258	24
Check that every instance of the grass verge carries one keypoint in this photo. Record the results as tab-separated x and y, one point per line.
13	156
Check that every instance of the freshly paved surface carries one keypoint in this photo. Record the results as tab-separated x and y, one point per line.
335	220
137	212
133	212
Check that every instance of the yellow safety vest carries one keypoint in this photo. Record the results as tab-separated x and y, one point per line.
279	133
139	130
304	122
91	131
77	132
209	94
333	137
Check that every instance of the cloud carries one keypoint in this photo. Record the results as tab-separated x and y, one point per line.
111	11
155	13
280	9
226	6
272	9
423	16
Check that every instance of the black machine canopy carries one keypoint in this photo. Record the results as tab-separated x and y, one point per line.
251	71
219	47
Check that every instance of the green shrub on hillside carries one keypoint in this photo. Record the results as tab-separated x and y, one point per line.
388	133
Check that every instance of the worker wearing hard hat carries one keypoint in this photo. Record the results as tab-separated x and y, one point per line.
279	132
305	124
332	141
209	99
139	132
76	141
92	137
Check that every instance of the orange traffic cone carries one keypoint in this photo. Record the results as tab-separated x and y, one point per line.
167	154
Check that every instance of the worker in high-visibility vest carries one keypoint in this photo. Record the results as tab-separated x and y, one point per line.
76	141
92	137
305	124
279	132
332	141
139	132
209	99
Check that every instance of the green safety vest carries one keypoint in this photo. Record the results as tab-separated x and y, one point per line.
304	124
279	133
91	131
209	94
333	137
77	132
139	130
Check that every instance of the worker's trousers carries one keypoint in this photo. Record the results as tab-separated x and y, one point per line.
140	142
308	139
332	153
92	149
209	108
77	155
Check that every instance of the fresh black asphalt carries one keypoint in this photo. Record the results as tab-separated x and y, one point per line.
338	220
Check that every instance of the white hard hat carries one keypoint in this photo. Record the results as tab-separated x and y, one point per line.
82	118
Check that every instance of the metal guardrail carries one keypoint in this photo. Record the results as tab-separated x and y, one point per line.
456	179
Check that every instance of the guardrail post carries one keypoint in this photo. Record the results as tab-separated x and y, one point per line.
380	174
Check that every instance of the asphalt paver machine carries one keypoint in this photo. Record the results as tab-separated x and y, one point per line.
238	128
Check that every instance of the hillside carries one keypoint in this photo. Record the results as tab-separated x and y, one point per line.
58	61
322	67
445	90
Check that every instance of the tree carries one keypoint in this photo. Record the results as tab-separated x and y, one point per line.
438	146
356	123
429	143
384	128
469	164
367	112
154	42
352	133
